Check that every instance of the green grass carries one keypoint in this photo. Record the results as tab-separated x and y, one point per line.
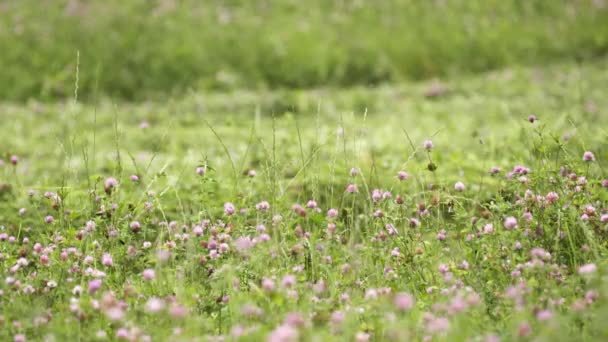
302	145
145	49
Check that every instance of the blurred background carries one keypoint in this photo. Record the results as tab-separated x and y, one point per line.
135	50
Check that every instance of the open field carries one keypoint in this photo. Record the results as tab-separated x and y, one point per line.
313	215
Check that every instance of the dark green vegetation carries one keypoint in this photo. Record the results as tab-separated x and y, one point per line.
137	49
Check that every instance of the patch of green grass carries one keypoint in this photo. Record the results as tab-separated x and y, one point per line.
302	145
142	49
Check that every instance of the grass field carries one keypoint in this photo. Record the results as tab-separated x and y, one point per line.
312	214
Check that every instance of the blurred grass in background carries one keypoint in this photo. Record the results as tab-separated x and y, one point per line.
140	49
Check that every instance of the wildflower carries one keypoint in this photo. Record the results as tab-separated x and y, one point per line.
362	337
90	226
588	156
243	243
428	145
473	299
494	170
376	195
77	290
122	334
135	226
532	118
590	296
178	311
201	171
488	228
294	319
110	184
332	213
283	333
229	209
590	210
14	160
510	222
115	313
197	230
49	219
457	305
459	186
403	301
94	285
298	209
582	180
371	294
587	269
540	253
106	260
276	219
544	315
268	284
224	247
251	173
250	310
352	188
288	281
336	318
149	274
402	175
354	171
263	206
552	197
155	305
437	325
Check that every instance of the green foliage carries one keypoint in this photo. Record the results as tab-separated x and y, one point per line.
140	49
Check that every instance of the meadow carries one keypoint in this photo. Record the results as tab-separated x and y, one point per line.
473	209
283	170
